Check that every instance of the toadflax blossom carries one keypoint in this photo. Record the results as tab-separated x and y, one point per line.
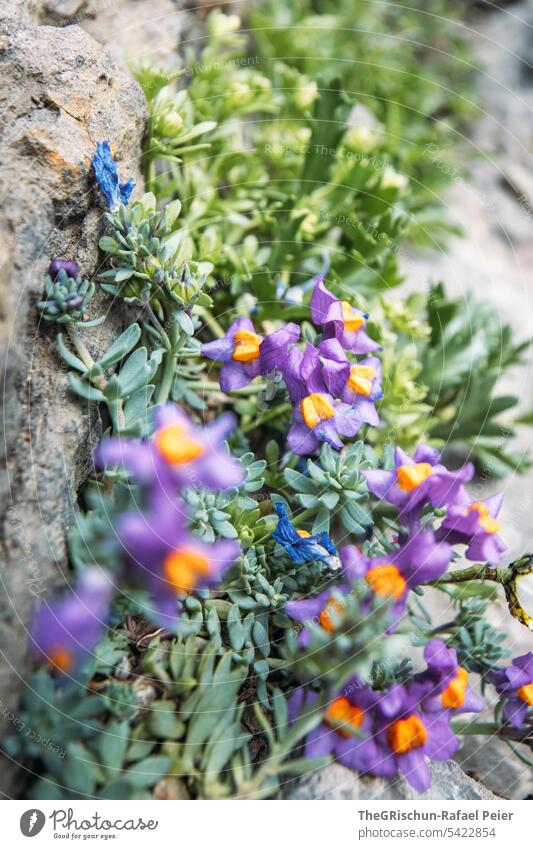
65	631
390	576
245	354
301	546
380	732
340	321
474	524
178	454
362	389
168	560
317	416
514	684
106	174
324	610
418	480
239	351
444	685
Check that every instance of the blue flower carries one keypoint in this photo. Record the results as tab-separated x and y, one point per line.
301	546
105	171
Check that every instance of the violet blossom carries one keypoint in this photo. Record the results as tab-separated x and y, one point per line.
514	683
363	387
474	524
318	417
65	631
166	559
418	480
178	454
390	576
341	321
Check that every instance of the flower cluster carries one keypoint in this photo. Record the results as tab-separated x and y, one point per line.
422	480
159	553
399	729
332	395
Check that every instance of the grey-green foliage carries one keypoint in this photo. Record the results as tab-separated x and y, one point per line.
232	513
151	257
121	379
66	299
84	751
334	488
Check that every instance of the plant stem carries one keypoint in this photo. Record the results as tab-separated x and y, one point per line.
303	516
479	572
85	356
211	386
271	414
177	340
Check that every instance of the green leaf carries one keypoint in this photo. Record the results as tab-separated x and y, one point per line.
147	772
68	356
85	390
112	745
121	346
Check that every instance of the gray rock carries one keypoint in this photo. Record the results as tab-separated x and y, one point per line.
60	93
491	761
338	782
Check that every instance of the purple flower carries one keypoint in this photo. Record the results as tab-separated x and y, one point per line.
275	347
474	524
362	388
443	686
340	321
381	733
105	172
301	546
390	576
65	631
178	454
335	365
416	481
68	265
514	684
317	416
239	351
168	560
345	728
246	354
324	610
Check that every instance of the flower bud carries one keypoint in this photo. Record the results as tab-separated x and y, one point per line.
68	265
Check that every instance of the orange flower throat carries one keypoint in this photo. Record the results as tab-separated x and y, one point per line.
315	409
413	475
360	380
386	580
246	346
182	568
406	734
342	712
176	446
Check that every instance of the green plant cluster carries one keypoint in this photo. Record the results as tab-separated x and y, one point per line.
260	177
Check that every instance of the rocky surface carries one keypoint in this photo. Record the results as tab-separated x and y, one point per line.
338	782
60	93
131	29
492	762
